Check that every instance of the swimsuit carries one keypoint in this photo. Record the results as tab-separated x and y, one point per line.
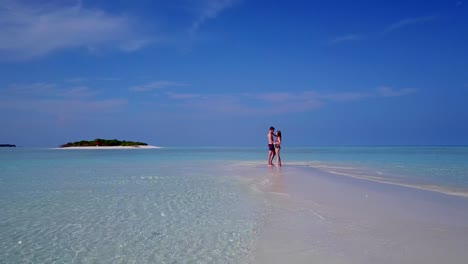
271	147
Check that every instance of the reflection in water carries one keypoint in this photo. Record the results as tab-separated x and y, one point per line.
277	180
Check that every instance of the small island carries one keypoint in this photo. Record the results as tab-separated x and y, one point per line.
7	145
100	143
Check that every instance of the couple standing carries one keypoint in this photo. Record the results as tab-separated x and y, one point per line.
274	146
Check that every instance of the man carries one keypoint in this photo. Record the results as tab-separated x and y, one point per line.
271	146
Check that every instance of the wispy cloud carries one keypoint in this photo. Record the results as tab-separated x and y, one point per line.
209	9
79	92
408	22
108	79
47	90
86	79
75	80
274	102
173	95
34	30
393	27
242	104
65	106
32	89
62	103
345	96
391	92
346	38
155	86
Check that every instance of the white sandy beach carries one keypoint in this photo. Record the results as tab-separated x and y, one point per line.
324	218
113	147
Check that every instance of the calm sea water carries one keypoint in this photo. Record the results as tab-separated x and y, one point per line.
171	205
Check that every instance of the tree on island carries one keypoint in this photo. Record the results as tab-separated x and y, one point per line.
8	145
103	143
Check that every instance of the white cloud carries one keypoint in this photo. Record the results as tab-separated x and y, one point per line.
182	95
68	103
390	92
130	45
273	102
47	90
155	86
35	30
275	97
209	9
345	96
79	92
345	38
33	89
75	80
409	21
108	79
62	106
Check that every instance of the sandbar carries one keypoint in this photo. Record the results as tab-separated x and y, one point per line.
320	217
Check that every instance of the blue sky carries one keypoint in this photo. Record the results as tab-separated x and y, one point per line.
220	72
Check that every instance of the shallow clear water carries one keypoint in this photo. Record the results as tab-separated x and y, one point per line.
446	167
170	205
121	206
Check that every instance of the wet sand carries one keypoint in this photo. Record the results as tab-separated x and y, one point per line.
320	217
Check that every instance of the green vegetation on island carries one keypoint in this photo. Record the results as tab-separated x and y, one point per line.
103	143
7	145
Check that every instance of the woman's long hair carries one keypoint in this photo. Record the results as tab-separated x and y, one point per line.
278	134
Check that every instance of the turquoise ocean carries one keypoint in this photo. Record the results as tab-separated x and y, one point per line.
176	205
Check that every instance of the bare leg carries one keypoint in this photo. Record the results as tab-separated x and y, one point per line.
271	156
278	159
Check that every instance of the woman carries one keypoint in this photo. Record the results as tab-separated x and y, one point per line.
278	147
